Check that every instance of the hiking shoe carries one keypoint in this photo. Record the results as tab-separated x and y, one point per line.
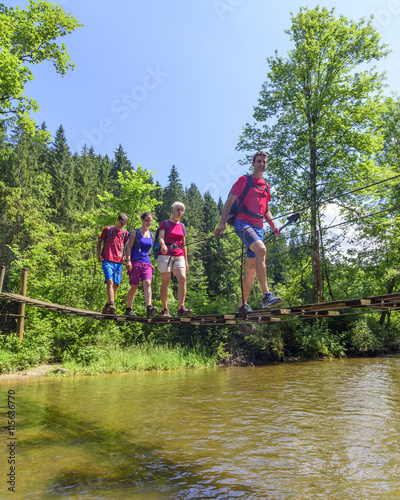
111	308
106	309
165	313
244	309
151	310
183	311
129	312
269	300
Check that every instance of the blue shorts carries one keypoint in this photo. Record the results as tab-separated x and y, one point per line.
112	271
251	234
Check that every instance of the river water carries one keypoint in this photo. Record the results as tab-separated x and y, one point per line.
316	430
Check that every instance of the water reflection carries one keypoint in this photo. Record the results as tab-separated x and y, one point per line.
298	431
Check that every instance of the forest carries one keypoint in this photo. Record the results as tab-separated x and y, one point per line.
332	137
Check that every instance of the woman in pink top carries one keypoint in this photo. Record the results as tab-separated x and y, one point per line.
173	257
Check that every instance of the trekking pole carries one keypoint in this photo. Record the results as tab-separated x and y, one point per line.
291	219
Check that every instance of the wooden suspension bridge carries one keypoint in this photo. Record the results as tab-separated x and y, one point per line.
378	303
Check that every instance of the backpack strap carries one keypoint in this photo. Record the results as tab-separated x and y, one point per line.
242	207
136	242
110	231
249	183
166	229
137	238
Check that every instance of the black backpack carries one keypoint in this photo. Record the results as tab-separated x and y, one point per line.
238	202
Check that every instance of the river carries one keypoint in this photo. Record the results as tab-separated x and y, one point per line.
315	430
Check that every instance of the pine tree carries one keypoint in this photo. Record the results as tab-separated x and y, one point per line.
211	213
172	192
104	168
25	191
86	177
194	204
120	164
220	205
158	195
223	278
62	170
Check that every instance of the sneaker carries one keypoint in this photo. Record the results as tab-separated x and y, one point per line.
151	310
269	300
106	309
244	309
129	312
165	313
111	308
183	311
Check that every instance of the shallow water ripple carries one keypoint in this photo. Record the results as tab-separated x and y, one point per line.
287	431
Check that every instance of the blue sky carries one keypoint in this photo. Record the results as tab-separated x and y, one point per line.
174	82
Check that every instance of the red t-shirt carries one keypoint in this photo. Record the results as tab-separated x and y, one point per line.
174	235
114	249
256	199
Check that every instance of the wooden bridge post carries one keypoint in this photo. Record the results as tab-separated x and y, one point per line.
21	307
2	274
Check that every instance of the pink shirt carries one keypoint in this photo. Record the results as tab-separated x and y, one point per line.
175	235
256	199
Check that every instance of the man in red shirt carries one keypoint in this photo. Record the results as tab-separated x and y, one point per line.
112	255
249	225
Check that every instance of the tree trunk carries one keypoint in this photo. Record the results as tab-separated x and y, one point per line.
314	222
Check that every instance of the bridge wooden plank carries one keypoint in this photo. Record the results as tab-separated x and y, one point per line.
389	301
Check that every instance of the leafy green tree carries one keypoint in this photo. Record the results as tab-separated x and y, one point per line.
135	198
377	239
318	115
28	37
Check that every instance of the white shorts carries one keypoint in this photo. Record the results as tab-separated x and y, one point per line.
175	263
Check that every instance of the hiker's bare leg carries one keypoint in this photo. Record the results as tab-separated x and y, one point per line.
248	278
180	274
111	290
131	295
165	279
259	249
147	292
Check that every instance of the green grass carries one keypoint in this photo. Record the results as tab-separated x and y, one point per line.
8	362
143	357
